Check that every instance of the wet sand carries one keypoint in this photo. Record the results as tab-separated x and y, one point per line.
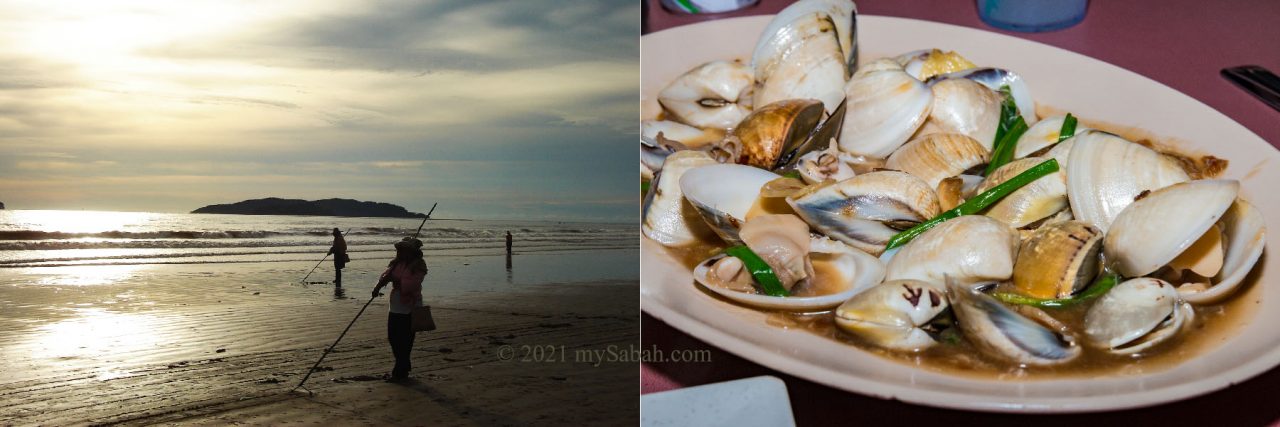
139	352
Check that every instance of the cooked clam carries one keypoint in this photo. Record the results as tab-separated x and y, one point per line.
725	195
826	165
713	95
925	63
1105	173
1057	260
1035	201
999	331
969	249
868	209
966	107
668	219
685	135
1042	135
772	133
804	53
837	273
885	107
891	314
938	156
1245	233
1152	231
1136	315
994	79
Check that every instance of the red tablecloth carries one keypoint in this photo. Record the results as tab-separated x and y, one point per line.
1181	43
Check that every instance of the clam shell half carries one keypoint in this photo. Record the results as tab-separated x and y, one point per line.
854	272
1152	231
1105	173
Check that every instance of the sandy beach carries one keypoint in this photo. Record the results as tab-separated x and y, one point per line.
219	345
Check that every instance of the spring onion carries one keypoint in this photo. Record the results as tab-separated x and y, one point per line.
979	202
1004	149
1008	113
760	270
1011	127
1100	286
1068	128
644	187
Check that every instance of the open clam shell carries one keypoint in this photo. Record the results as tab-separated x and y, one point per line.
843	272
668	219
723	194
1246	237
968	249
966	107
716	94
1105	173
686	135
885	107
994	78
827	165
1042	135
1152	231
938	156
1057	260
860	210
1000	331
776	129
890	314
926	63
1136	315
843	15
1030	203
801	55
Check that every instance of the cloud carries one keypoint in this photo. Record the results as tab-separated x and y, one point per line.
439	36
483	104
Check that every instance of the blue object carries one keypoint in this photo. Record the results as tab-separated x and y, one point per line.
1032	16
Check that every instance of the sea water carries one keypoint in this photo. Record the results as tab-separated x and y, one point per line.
96	248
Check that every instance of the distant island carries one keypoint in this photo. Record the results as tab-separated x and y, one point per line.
326	207
1	205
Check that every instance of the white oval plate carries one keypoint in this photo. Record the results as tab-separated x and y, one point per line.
1085	86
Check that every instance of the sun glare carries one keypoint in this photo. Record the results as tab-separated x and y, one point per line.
79	221
95	332
91	275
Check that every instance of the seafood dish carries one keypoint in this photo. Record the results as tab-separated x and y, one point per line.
920	207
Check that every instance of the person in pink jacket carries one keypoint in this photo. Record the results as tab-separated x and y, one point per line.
405	274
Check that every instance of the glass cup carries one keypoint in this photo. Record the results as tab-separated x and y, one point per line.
706	6
1032	16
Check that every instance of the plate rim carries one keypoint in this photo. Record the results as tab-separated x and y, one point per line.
946	399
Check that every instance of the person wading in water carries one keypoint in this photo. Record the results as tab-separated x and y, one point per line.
339	252
405	274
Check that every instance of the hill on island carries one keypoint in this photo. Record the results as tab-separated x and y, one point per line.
326	207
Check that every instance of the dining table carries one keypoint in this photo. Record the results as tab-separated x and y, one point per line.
1183	44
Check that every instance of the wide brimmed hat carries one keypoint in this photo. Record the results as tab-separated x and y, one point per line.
408	243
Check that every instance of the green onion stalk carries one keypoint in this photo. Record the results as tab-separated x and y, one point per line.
760	270
1068	128
979	202
1096	289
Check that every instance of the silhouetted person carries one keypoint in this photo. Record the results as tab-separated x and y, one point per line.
405	274
508	257
339	252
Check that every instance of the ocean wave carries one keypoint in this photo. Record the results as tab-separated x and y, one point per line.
59	235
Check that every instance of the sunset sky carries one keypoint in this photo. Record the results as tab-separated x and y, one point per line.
522	109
